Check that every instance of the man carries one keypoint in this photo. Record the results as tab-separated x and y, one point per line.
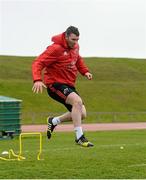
61	62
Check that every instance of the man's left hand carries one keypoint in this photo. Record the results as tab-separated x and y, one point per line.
88	75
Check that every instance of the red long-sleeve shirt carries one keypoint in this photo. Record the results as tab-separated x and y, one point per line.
60	63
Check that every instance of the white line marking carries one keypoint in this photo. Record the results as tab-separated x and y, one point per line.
137	165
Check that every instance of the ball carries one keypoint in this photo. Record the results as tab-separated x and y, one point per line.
121	147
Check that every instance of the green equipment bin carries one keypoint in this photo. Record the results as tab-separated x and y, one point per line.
10	116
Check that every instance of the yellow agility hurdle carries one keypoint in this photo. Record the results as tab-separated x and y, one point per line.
12	154
19	156
27	134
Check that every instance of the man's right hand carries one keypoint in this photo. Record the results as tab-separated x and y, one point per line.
38	87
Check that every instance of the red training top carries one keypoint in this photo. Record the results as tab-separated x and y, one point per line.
60	63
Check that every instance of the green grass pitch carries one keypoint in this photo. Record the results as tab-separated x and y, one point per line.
65	160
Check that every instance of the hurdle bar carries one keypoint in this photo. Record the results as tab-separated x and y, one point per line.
27	134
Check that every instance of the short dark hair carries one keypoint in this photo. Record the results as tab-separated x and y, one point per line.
72	30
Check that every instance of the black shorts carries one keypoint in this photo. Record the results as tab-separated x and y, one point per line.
59	92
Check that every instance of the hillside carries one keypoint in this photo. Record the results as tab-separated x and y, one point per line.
118	86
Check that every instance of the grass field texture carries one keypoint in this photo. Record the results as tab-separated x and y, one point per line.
118	85
65	160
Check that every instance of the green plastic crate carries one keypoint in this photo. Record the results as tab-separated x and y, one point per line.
10	114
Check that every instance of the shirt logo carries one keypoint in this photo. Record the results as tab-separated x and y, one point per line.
66	90
71	65
65	53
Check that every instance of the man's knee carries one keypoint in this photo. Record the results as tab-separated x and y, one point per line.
78	104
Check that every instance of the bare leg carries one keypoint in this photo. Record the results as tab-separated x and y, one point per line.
67	116
78	112
77	107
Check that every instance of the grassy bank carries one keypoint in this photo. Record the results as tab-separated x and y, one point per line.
118	85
